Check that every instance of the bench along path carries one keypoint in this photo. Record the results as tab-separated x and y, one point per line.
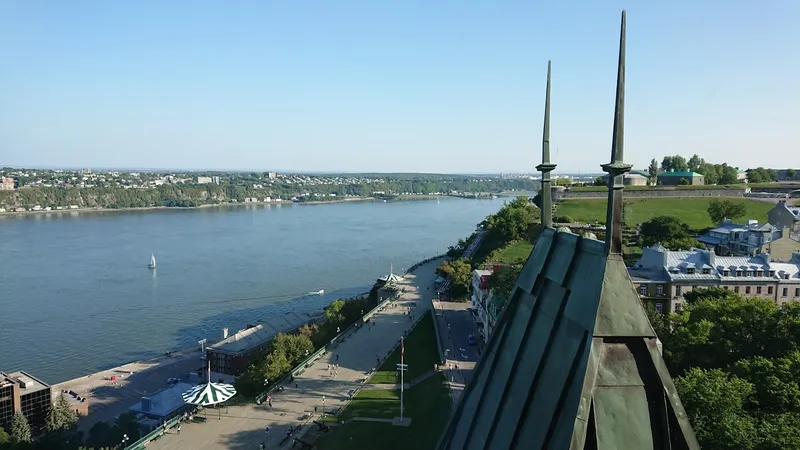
243	426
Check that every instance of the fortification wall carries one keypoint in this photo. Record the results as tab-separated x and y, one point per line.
630	193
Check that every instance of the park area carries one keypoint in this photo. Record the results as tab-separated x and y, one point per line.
427	403
691	210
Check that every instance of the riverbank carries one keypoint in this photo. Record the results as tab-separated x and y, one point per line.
111	391
144	208
220	205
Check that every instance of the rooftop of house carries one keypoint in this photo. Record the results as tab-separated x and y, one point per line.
163	402
680	174
660	264
257	335
483	273
795	210
719	234
27	382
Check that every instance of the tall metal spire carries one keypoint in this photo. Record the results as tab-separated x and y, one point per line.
546	167
616	169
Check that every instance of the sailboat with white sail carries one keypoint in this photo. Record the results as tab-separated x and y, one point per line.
152	264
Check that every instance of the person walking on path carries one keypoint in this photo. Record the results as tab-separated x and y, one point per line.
178	429
266	431
337	357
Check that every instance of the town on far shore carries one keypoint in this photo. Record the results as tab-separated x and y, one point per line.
25	190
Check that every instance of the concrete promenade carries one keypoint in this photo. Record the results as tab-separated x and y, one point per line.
108	399
243	427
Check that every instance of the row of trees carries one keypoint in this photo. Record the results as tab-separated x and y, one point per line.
287	350
199	194
737	363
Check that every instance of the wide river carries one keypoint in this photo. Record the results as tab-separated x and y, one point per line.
76	295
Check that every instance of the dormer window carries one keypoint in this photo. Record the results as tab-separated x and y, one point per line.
738	273
749	274
725	273
760	273
690	270
771	273
706	271
785	276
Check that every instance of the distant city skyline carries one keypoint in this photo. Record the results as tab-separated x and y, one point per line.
393	87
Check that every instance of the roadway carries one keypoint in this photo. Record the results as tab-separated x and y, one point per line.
455	324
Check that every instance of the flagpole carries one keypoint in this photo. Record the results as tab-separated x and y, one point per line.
402	356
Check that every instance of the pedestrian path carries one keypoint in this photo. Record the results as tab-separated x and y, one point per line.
316	389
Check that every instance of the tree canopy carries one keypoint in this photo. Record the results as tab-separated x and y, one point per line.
737	367
718	210
669	231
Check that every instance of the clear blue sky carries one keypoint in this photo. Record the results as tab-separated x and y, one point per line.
442	86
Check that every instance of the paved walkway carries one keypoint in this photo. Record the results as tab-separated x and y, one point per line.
243	427
108	399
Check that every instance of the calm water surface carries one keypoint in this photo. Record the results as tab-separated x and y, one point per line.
76	295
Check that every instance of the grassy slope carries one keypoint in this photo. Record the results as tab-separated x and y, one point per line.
421	354
514	253
427	404
691	210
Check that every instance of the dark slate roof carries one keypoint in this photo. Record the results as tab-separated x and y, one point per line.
573	362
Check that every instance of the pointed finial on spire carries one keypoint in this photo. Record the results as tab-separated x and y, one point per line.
546	167
617	168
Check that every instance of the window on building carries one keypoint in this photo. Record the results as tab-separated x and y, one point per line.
749	273
747	289
643	289
659	290
726	288
758	289
760	273
769	289
738	273
797	292
736	289
659	307
725	273
690	270
785	292
771	273
678	307
706	271
677	291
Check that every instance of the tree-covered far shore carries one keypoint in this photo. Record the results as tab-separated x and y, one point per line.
191	194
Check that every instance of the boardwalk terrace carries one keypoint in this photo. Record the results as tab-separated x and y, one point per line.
21	392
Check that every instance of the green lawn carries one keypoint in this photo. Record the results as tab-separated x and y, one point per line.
421	354
691	210
516	252
427	404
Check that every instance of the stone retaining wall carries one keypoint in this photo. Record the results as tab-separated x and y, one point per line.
630	193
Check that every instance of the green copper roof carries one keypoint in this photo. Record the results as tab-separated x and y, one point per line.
573	361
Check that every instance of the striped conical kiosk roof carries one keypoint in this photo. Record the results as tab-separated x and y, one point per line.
209	394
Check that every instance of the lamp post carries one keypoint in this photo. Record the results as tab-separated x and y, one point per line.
323	406
125	439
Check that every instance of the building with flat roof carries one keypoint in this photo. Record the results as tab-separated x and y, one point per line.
21	392
232	355
6	184
673	178
164	404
